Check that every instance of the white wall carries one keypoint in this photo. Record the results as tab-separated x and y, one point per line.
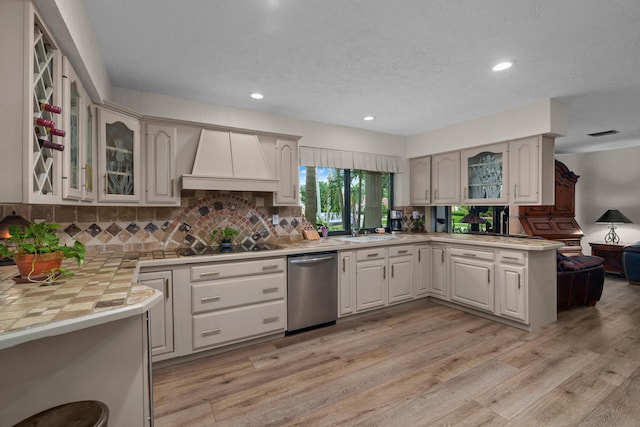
608	180
547	117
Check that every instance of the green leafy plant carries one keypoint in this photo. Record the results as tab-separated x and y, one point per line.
227	234
40	239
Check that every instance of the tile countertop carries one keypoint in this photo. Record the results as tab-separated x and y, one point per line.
338	243
103	289
100	291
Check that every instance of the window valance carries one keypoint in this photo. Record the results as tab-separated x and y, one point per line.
340	159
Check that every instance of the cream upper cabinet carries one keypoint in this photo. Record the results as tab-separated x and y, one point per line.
287	172
420	181
78	167
119	148
160	164
485	178
531	171
44	98
445	178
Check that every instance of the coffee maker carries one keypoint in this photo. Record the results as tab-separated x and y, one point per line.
395	220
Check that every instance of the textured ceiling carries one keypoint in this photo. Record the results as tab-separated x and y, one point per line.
415	65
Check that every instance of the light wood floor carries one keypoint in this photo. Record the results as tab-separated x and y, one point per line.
421	364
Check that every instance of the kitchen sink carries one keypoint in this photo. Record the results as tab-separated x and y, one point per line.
368	238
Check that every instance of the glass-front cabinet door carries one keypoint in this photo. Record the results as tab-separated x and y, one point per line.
119	146
71	185
485	175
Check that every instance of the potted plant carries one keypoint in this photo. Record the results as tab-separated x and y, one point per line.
227	234
37	251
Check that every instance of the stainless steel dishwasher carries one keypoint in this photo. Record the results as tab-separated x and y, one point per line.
312	290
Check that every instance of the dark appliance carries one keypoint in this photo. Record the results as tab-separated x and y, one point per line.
395	220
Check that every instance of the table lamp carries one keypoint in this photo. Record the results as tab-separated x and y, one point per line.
611	217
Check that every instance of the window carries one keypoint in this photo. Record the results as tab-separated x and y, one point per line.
345	199
488	219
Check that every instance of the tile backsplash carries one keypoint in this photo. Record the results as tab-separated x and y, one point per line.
131	228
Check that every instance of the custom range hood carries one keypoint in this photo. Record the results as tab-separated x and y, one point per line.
229	161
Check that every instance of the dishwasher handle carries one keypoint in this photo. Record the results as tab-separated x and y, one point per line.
315	259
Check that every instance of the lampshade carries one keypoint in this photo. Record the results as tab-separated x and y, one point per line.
8	220
613	216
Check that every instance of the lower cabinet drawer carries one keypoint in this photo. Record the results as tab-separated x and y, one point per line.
221	294
238	324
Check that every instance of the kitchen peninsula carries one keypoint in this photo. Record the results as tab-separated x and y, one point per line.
82	339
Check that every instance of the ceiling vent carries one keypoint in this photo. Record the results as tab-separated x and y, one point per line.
603	133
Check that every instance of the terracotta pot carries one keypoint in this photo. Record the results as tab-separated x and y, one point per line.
39	264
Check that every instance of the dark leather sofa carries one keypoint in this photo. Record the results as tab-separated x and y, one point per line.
631	256
580	280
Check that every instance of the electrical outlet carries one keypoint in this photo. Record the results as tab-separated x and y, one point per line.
416	215
275	220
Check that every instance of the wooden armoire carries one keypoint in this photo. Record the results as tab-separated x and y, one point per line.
556	222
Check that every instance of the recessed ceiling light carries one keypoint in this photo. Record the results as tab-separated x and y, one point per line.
256	95
503	66
368	118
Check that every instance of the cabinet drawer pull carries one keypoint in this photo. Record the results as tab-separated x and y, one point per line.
210	273
392	270
209	299
384	272
269	290
209	332
269	267
403	251
442	253
344	265
514	258
518	280
372	255
515	190
488	276
468	254
270	319
419	255
166	289
173	182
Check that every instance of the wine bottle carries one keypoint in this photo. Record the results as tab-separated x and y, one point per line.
56	132
48	144
45	122
51	108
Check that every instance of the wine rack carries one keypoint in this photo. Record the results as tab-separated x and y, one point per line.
43	140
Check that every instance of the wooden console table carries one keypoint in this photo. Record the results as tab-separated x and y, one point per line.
612	254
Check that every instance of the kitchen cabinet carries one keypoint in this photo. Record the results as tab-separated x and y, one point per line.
472	278
161	315
420	181
401	274
511	285
287	173
445	178
485	179
531	171
31	72
371	278
438	276
160	164
78	156
119	150
422	258
236	301
346	283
